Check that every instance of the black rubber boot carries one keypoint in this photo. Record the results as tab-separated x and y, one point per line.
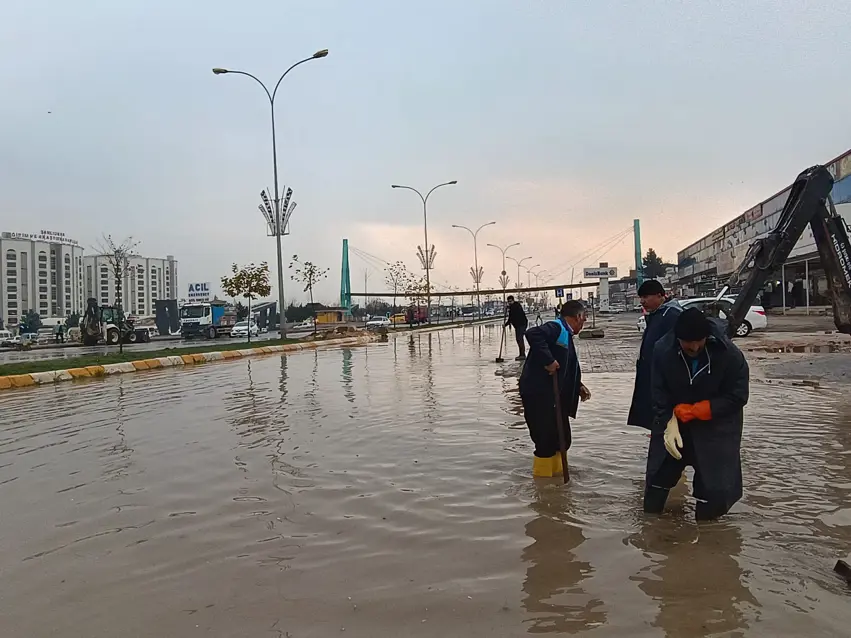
654	499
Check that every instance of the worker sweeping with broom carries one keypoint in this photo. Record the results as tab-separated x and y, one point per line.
552	364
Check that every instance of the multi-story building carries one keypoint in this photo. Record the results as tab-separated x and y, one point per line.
41	272
708	262
145	281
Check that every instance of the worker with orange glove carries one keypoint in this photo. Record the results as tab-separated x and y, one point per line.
700	385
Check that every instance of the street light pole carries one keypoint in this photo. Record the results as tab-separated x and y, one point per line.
504	272
426	250
477	278
529	275
279	230
519	263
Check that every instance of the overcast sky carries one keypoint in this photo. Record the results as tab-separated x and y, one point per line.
562	121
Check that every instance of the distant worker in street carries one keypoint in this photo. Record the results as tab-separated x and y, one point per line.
552	352
700	387
659	320
516	318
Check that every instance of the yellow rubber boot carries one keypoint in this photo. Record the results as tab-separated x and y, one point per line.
542	467
558	468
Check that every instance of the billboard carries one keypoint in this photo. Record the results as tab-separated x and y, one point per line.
199	292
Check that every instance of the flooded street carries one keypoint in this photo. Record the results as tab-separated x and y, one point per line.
386	491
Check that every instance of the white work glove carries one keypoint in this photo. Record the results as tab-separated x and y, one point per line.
673	440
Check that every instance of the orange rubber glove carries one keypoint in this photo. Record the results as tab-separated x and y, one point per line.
702	410
684	413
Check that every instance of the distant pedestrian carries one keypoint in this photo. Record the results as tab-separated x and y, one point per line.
517	319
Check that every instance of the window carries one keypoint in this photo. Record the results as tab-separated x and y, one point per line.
12	304
55	310
53	278
43	298
11	255
53	294
42	257
104	288
12	288
42	289
12	272
43	281
53	263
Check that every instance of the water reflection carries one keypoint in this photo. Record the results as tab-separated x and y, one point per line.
695	577
119	455
554	596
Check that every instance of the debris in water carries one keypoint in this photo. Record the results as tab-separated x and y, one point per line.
843	569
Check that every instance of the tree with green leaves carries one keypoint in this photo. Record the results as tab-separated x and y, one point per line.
308	274
31	322
73	320
653	265
241	311
249	282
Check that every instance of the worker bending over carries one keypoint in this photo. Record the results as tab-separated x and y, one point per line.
517	319
552	352
699	387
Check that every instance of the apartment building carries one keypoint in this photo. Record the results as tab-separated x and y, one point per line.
145	281
41	272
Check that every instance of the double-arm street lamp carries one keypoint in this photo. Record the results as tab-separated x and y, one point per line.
477	275
519	263
279	225
427	252
529	274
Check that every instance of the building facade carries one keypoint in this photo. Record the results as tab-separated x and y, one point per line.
704	266
41	272
146	281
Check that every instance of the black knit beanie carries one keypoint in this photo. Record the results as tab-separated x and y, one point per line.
692	325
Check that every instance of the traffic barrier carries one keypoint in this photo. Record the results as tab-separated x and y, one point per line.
109	369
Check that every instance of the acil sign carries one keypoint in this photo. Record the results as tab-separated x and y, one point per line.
199	292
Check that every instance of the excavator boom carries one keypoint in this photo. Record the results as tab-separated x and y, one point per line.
808	203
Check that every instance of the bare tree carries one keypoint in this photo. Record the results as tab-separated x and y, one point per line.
397	279
117	255
309	274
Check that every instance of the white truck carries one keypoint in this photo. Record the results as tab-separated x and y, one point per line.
207	319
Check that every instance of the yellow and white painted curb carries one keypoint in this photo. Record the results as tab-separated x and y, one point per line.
54	376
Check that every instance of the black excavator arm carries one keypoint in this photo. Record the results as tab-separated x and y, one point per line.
809	203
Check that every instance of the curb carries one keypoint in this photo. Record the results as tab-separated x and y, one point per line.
54	376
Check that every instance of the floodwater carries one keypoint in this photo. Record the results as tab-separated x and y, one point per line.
386	491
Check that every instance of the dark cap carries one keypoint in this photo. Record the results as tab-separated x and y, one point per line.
651	287
692	325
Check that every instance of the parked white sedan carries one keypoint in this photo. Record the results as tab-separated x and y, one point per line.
379	322
241	329
755	319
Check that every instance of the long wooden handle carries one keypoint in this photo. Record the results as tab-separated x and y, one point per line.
562	438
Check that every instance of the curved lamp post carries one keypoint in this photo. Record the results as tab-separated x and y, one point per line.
426	250
477	278
279	229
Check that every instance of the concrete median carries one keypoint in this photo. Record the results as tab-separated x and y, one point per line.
43	378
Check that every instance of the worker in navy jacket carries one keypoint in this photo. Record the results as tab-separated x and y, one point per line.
700	386
552	352
659	321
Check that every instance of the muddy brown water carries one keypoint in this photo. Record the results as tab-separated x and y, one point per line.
386	491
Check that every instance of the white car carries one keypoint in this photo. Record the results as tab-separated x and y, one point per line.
302	325
755	319
241	329
379	322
